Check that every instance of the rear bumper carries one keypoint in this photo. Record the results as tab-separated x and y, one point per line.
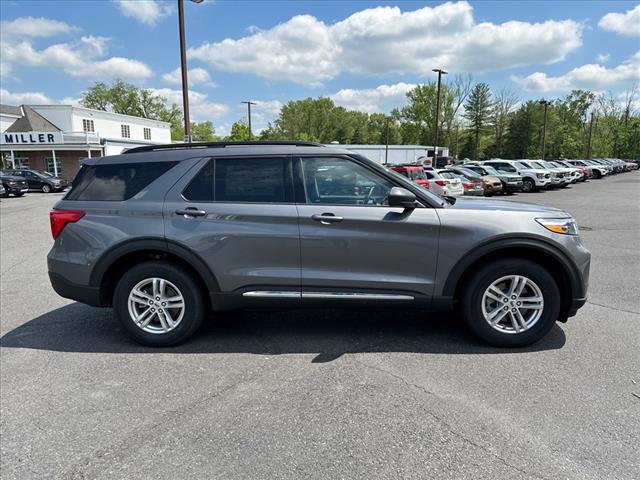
79	293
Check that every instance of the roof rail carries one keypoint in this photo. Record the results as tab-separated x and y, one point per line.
176	146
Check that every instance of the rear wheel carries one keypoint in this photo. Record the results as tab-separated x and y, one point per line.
511	302
528	185
158	304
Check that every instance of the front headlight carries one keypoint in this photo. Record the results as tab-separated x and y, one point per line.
565	226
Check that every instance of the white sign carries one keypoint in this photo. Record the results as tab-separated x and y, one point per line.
30	138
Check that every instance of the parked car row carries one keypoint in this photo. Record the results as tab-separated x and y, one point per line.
19	182
498	176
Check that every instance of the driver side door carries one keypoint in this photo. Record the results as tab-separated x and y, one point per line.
353	245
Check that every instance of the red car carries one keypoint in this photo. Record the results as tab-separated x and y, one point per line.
414	172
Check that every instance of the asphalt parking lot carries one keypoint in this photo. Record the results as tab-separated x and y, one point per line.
323	394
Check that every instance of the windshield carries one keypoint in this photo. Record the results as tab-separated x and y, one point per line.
538	165
551	165
522	165
417	175
467	172
43	173
490	170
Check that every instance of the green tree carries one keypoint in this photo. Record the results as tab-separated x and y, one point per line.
239	132
478	113
127	99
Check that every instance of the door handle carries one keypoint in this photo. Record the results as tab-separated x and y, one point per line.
191	212
326	218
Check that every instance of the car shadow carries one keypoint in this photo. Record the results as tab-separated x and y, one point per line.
326	333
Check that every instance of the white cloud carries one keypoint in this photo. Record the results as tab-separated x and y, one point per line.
148	12
386	40
34	98
603	57
590	76
200	108
196	76
381	98
24	98
79	59
627	23
271	107
30	27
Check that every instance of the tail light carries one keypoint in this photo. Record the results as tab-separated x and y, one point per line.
60	218
468	185
442	183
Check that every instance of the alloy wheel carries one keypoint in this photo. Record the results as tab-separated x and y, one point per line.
156	305
512	304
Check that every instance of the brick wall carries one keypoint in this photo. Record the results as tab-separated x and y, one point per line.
69	161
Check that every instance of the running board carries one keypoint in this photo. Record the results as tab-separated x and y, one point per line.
327	295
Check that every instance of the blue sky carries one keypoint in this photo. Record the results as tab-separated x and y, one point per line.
365	55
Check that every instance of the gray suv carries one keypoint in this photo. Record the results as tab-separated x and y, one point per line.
167	234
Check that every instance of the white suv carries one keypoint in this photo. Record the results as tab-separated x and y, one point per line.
532	178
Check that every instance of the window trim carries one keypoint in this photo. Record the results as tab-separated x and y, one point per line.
88	122
300	188
146	130
125	128
288	180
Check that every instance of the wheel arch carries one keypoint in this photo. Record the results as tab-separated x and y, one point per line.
114	262
549	256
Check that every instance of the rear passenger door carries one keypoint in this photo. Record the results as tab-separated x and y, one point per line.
238	215
353	245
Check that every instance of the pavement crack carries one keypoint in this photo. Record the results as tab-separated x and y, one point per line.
614	308
447	425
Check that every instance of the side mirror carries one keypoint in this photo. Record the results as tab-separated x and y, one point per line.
401	197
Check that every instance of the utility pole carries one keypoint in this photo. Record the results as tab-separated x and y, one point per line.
386	146
440	72
183	66
249	103
546	104
590	136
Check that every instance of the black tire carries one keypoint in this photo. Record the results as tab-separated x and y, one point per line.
19	194
597	174
45	188
194	303
528	185
471	301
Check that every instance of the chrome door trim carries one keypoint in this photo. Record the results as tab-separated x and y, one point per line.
271	294
356	296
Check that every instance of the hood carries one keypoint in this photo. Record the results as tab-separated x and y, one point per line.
480	203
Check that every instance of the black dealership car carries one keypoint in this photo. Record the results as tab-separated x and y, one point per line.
40	180
13	185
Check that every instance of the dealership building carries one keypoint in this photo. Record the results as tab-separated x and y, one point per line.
55	138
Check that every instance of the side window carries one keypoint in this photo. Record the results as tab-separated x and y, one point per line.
201	187
115	182
340	181
252	180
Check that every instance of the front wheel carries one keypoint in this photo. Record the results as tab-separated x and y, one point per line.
19	194
511	302
46	188
159	304
528	185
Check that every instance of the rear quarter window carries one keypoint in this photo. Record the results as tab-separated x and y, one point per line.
115	182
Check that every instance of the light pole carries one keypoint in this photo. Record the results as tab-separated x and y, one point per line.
386	145
590	136
546	104
183	67
440	72
249	103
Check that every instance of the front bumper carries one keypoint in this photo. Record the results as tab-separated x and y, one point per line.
513	187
